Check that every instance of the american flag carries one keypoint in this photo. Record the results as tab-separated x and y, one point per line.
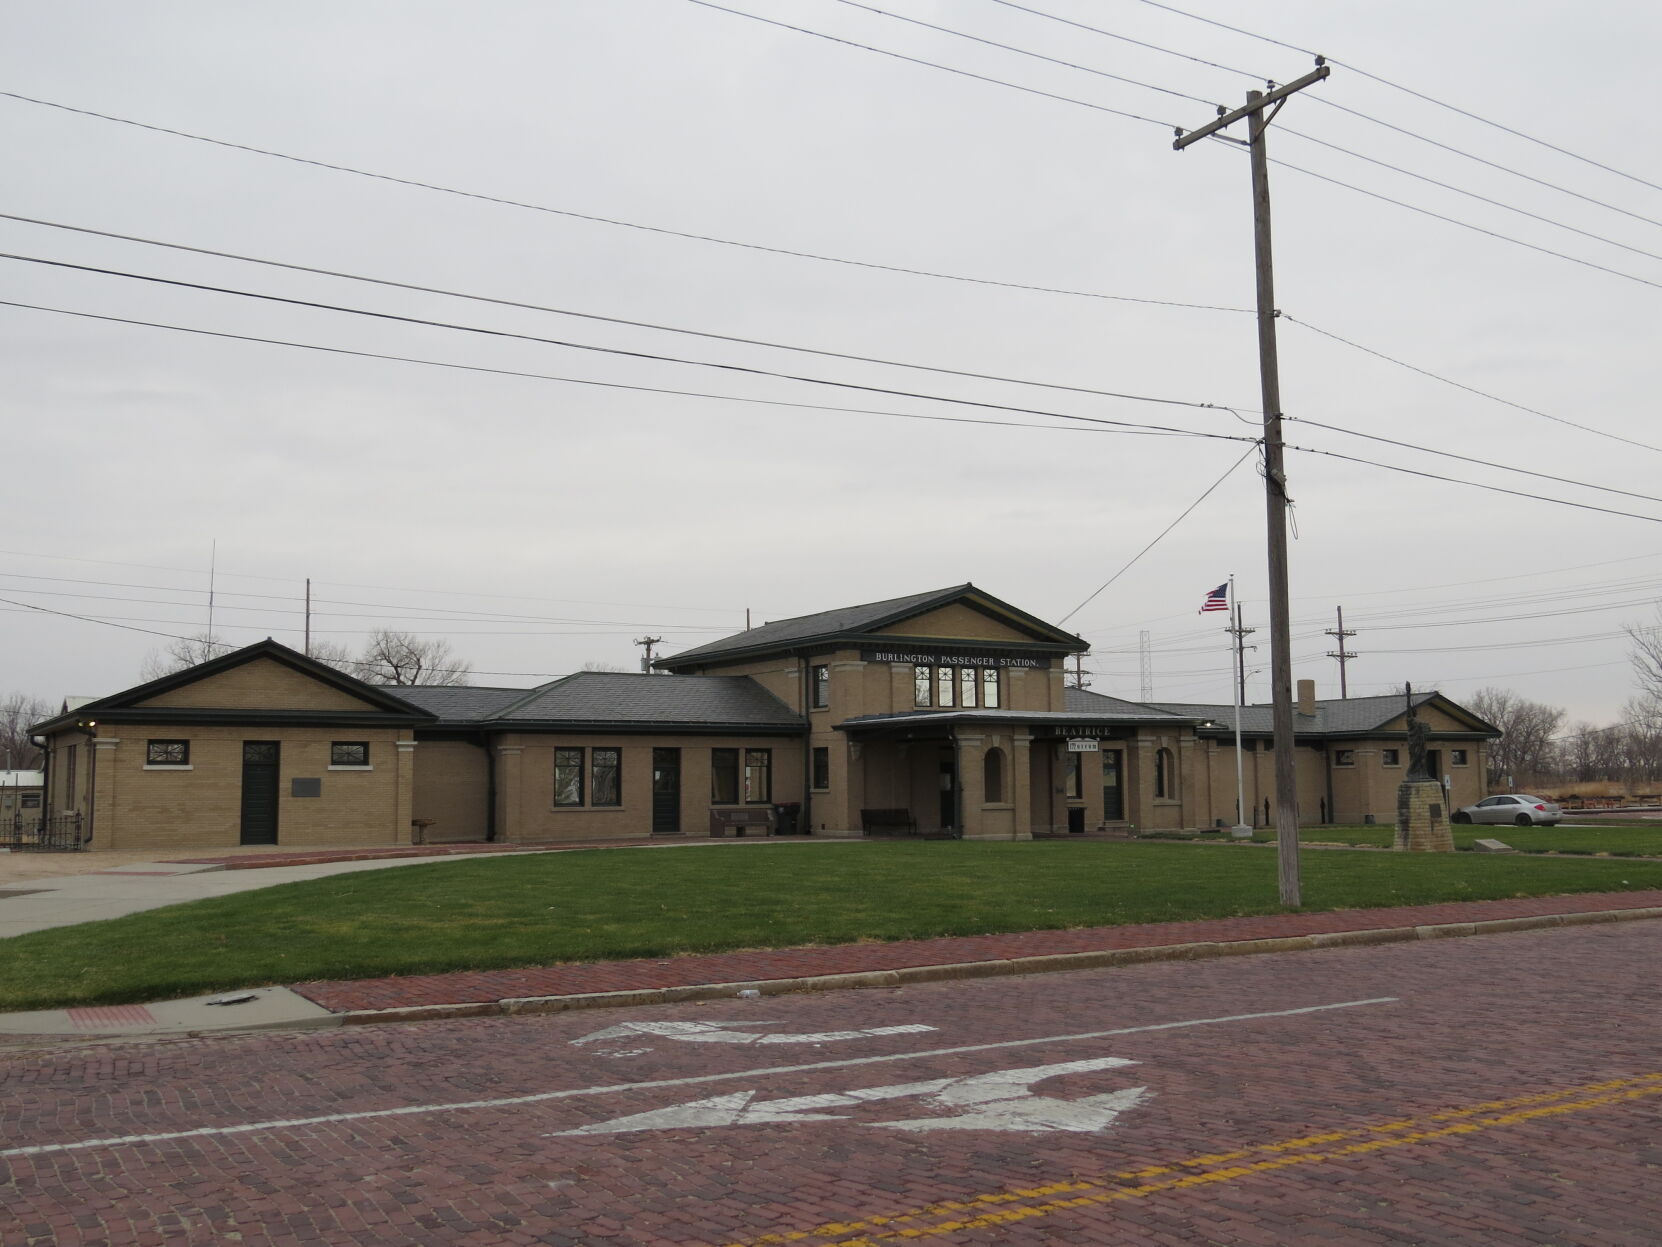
1217	600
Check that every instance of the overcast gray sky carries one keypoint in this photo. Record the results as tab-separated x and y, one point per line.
538	524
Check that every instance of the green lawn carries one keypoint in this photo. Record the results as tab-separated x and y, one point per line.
580	906
1625	839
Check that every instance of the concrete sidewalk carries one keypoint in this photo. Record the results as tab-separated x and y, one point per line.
715	976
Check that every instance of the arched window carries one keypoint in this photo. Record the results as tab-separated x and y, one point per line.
992	787
1165	774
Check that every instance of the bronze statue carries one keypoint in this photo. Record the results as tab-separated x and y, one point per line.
1418	733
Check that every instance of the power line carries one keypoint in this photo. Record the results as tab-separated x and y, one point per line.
1458	190
1152	47
962	73
1111	426
558	311
585	346
1487	463
1186	511
1563	151
1038	56
1459	385
592	218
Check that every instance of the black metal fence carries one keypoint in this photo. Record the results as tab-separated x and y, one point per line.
31	834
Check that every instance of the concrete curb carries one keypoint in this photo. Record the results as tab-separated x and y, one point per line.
1051	963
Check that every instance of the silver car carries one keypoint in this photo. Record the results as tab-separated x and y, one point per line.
1519	809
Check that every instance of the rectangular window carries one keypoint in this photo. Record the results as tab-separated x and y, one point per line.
1390	757
606	777
568	777
944	686
31	801
989	687
1344	757
1075	775
923	686
167	753
724	776
822	767
349	753
758	776
69	776
966	686
822	687
1457	757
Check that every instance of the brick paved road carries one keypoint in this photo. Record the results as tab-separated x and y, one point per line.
1497	1090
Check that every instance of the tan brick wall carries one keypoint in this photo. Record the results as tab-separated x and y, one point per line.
147	808
525	784
263	684
452	783
956	622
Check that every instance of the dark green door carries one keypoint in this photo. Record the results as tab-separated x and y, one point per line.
666	792
1113	794
259	791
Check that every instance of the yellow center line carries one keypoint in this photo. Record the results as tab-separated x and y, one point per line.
1086	1192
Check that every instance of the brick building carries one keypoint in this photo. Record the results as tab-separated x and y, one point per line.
941	712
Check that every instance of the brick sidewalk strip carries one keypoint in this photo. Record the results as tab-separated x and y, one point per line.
486	987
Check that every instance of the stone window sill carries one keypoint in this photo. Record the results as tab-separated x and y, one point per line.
168	766
351	768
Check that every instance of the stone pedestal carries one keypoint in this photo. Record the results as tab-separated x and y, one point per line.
1422	818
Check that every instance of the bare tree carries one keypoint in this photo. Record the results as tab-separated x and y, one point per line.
1644	651
593	665
1525	751
403	658
180	653
17	712
334	654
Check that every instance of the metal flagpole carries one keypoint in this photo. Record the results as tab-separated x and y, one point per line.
1242	829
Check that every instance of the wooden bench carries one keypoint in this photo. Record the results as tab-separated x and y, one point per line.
888	822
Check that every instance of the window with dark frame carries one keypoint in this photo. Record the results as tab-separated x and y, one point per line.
167	753
349	753
568	777
1457	757
1076	775
758	776
945	686
822	767
1165	774
1390	757
923	686
992	776
967	680
31	801
605	776
724	776
822	687
1344	757
989	688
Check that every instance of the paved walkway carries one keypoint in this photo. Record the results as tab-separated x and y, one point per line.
486	986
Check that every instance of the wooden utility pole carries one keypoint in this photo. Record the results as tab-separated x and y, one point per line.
1079	672
646	643
1240	632
308	650
1342	654
1275	476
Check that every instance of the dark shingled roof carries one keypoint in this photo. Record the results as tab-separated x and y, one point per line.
825	623
627	698
1332	717
1083	701
459	703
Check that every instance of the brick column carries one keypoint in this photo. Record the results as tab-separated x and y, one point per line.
508	781
1020	784
102	802
404	802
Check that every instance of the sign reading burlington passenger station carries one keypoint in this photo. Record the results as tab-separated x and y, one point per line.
941	658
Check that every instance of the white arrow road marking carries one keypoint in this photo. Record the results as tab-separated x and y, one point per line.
1001	1100
498	1103
718	1032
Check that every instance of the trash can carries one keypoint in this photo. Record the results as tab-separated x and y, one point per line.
786	817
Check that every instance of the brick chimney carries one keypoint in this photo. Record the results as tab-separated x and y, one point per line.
1307	697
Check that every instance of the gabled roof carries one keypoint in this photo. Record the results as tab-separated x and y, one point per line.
387	709
619	701
1083	701
868	620
459	703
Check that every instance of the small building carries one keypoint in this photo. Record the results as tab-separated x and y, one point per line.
21	796
940	713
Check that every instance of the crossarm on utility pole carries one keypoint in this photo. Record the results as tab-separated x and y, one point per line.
1270	97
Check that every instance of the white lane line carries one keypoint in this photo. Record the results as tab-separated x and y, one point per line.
541	1097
